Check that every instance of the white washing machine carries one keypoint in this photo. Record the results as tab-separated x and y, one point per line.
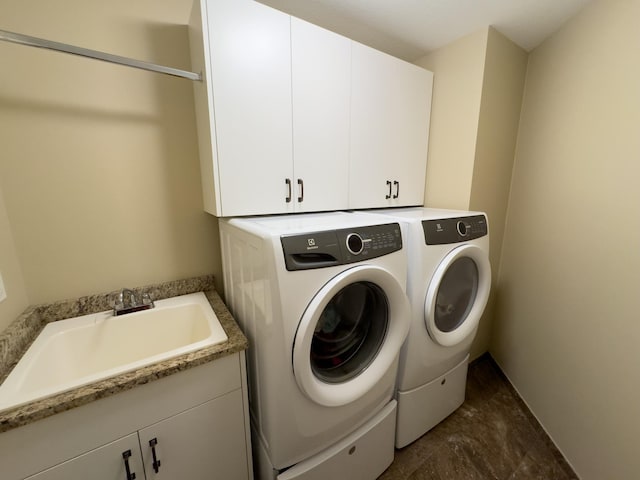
322	300
448	284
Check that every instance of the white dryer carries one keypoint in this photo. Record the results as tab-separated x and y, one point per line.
448	284
322	300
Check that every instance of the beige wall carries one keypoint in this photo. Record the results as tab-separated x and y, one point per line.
455	110
567	327
16	300
99	164
502	89
477	94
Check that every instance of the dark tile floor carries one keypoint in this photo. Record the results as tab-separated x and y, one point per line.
491	436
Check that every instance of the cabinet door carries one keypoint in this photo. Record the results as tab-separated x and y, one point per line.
206	442
250	58
321	75
390	109
104	463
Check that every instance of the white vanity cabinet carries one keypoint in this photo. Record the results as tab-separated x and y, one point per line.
295	118
390	113
202	443
197	421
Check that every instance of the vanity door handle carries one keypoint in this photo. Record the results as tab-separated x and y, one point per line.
156	461
300	190
287	182
397	185
130	475
388	196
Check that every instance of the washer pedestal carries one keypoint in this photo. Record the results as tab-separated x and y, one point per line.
422	408
364	454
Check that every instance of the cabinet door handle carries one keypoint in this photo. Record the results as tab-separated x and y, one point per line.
397	185
300	190
130	475
388	196
156	461
287	182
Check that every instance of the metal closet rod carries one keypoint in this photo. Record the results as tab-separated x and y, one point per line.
85	52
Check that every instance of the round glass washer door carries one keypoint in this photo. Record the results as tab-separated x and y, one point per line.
457	295
349	335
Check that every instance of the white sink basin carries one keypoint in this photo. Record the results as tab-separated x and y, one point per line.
78	351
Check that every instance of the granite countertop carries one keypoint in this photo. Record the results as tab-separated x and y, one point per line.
17	338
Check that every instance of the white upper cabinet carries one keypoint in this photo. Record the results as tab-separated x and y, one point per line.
390	112
243	106
321	73
295	118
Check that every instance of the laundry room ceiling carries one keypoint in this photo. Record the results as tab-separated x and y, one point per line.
411	28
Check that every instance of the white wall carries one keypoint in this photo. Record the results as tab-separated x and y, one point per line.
567	327
99	164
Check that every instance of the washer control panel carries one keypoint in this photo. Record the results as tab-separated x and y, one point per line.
454	230
339	247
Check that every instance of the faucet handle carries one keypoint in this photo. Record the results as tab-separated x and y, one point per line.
146	299
129	296
118	302
125	297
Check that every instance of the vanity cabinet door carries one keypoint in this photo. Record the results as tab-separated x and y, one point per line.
103	463
203	443
390	112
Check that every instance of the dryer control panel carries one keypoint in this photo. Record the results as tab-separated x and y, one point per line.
339	247
454	230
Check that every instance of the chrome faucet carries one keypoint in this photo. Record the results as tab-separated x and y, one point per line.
128	302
